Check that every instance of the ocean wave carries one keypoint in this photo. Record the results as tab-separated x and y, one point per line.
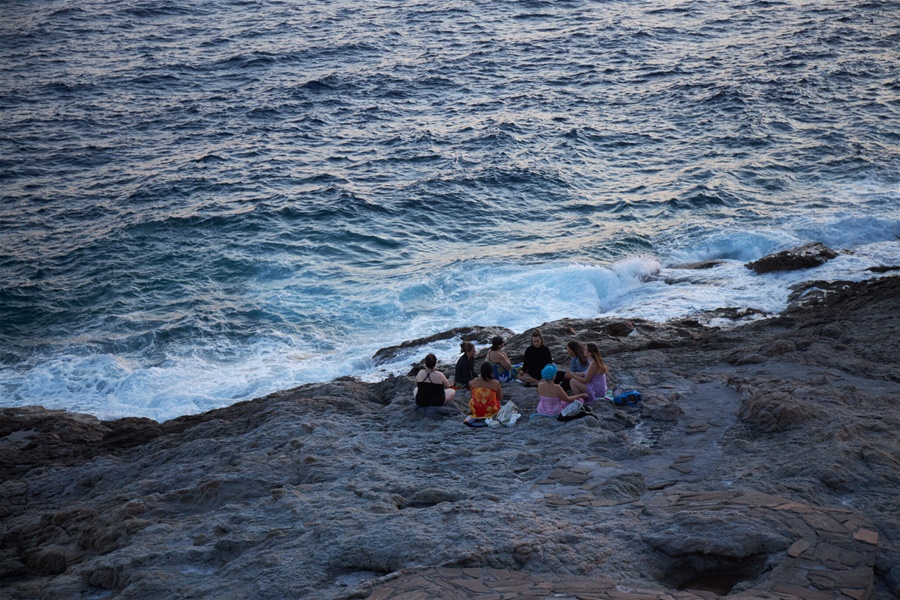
162	8
205	203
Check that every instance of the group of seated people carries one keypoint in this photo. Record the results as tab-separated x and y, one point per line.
586	379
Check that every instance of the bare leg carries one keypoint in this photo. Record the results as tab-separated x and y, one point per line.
448	394
525	377
578	387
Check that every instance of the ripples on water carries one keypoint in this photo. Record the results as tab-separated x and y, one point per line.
205	203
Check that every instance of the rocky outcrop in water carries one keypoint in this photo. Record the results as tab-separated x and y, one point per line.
802	257
475	334
764	462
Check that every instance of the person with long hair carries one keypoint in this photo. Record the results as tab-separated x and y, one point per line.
553	399
487	394
580	360
579	364
465	366
537	356
502	367
433	389
592	382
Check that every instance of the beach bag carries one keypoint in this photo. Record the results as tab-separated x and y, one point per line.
508	414
627	398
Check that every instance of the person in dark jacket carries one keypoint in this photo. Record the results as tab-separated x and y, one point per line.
537	356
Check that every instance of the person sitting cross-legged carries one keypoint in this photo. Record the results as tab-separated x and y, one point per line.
592	382
537	356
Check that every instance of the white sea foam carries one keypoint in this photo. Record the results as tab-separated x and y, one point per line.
512	295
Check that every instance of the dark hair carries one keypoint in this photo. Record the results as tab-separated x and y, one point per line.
578	350
594	351
537	334
487	371
431	361
466	346
496	342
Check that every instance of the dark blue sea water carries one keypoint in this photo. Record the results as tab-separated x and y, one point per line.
203	202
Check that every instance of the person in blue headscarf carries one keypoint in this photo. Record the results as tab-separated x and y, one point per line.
553	399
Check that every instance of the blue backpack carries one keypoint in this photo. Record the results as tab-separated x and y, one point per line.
629	398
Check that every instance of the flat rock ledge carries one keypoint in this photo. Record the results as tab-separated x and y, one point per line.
817	554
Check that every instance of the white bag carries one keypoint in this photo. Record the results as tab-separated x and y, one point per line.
508	414
573	409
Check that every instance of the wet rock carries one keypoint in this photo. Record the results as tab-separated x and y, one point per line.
733	313
802	257
884	269
477	334
707	264
811	293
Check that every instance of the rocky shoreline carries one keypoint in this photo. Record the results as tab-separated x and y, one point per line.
764	463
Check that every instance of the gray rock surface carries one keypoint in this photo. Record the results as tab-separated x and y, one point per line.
333	490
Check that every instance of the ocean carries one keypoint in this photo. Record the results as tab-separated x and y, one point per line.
202	203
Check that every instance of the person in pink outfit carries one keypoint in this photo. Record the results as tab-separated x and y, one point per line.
591	383
553	399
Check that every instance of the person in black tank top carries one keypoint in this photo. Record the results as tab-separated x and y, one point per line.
432	388
429	392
